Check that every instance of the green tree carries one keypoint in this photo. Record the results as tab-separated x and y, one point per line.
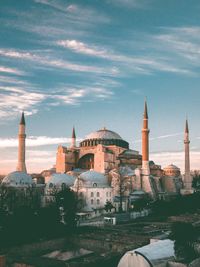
108	206
66	201
196	180
184	235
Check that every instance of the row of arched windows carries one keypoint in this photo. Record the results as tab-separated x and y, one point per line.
95	142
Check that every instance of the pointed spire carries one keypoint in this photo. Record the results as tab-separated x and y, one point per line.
145	110
22	121
73	133
186	126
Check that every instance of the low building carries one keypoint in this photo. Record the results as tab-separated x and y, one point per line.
152	255
56	183
94	190
18	189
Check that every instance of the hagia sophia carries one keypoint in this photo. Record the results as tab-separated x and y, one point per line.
97	167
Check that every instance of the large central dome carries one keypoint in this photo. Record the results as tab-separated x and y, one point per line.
103	134
104	137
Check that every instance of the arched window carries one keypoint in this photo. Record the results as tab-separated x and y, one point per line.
94	184
98	201
98	194
86	162
50	185
92	194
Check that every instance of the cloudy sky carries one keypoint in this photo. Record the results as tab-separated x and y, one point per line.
90	63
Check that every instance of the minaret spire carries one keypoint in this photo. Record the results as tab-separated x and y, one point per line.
187	177
73	141
145	179
186	127
21	166
145	139
145	110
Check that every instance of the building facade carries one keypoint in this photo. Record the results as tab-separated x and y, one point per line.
101	151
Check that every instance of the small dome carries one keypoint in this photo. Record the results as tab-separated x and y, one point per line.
171	167
171	170
17	179
59	179
94	179
104	134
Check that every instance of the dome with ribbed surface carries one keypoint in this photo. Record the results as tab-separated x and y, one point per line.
17	179
103	134
104	137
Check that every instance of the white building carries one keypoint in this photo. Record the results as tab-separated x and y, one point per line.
94	189
57	182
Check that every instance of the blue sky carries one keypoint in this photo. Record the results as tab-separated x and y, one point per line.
91	64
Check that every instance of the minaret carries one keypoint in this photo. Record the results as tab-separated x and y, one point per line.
187	177
21	149
145	141
145	179
73	142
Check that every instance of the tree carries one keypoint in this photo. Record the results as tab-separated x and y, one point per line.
122	182
12	198
196	180
184	235
141	203
66	201
108	206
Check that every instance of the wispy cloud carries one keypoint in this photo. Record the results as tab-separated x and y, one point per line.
11	70
56	63
168	135
182	41
76	13
128	3
25	97
83	48
14	99
176	157
73	96
161	137
36	160
36	141
12	80
140	64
